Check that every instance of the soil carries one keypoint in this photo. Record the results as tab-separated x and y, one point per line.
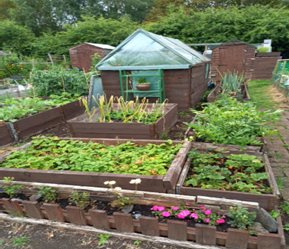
279	97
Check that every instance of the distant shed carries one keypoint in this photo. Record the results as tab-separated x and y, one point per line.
240	56
179	73
80	55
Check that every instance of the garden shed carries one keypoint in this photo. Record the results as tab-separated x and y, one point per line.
176	72
240	56
80	55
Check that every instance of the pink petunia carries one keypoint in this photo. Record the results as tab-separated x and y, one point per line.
155	208
187	204
195	216
208	212
202	208
166	214
183	214
220	221
161	209
223	216
175	208
207	220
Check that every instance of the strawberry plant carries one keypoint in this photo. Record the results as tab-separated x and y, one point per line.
127	158
232	173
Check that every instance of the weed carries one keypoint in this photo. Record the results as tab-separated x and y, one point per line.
18	242
274	214
11	188
280	136
285	146
284	207
164	136
48	194
103	239
278	155
286	227
280	180
185	114
1	241
79	199
242	218
137	242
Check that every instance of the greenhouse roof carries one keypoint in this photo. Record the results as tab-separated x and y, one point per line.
146	50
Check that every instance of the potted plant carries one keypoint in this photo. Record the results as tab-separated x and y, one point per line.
142	84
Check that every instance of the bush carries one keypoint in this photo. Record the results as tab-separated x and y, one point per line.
262	50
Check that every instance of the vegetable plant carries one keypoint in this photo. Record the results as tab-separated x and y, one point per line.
79	199
48	194
227	121
231	173
241	217
231	82
10	188
127	158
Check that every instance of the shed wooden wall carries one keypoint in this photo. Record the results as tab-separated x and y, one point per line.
179	84
80	56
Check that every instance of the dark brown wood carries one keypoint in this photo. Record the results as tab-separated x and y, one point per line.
72	110
123	222
214	93
269	241
76	215
54	212
32	209
5	135
205	235
38	122
177	230
237	239
99	219
270	54
149	226
12	207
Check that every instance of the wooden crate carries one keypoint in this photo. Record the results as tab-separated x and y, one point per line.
80	128
201	234
153	183
266	201
6	136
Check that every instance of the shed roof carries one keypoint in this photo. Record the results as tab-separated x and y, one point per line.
103	46
235	42
146	50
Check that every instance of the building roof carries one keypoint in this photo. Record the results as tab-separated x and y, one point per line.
146	50
103	46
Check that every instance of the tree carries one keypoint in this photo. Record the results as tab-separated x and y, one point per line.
5	5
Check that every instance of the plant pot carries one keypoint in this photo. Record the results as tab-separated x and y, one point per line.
143	87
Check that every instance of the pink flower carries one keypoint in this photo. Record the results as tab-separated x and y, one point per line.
183	214
208	212
165	214
202	208
223	216
187	204
220	221
207	220
161	209
188	220
155	208
195	216
175	208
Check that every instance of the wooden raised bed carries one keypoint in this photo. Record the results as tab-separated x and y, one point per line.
176	230
266	201
6	136
72	109
81	127
217	90
154	183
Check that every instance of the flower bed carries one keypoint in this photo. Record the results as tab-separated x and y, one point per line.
177	230
81	127
220	173
161	176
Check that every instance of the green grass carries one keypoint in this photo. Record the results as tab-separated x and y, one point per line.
18	242
259	91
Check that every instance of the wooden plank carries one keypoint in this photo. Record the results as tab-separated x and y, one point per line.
149	226
76	215
99	219
237	239
32	209
123	222
54	212
5	135
205	234
12	207
268	241
177	230
72	110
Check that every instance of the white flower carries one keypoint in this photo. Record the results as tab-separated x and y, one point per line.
132	182
106	183
112	182
137	181
117	189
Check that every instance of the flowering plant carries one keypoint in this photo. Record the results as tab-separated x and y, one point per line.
122	201
201	215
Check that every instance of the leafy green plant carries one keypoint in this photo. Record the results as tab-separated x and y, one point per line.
11	188
62	99
103	239
286	227
241	217
227	121
94	60
142	80
262	49
19	242
126	158
231	82
274	214
48	194
284	207
79	199
137	242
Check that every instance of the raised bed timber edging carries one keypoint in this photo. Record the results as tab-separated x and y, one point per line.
154	183
266	201
72	109
79	128
201	234
6	136
216	91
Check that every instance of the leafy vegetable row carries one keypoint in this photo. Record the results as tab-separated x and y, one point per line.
128	158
